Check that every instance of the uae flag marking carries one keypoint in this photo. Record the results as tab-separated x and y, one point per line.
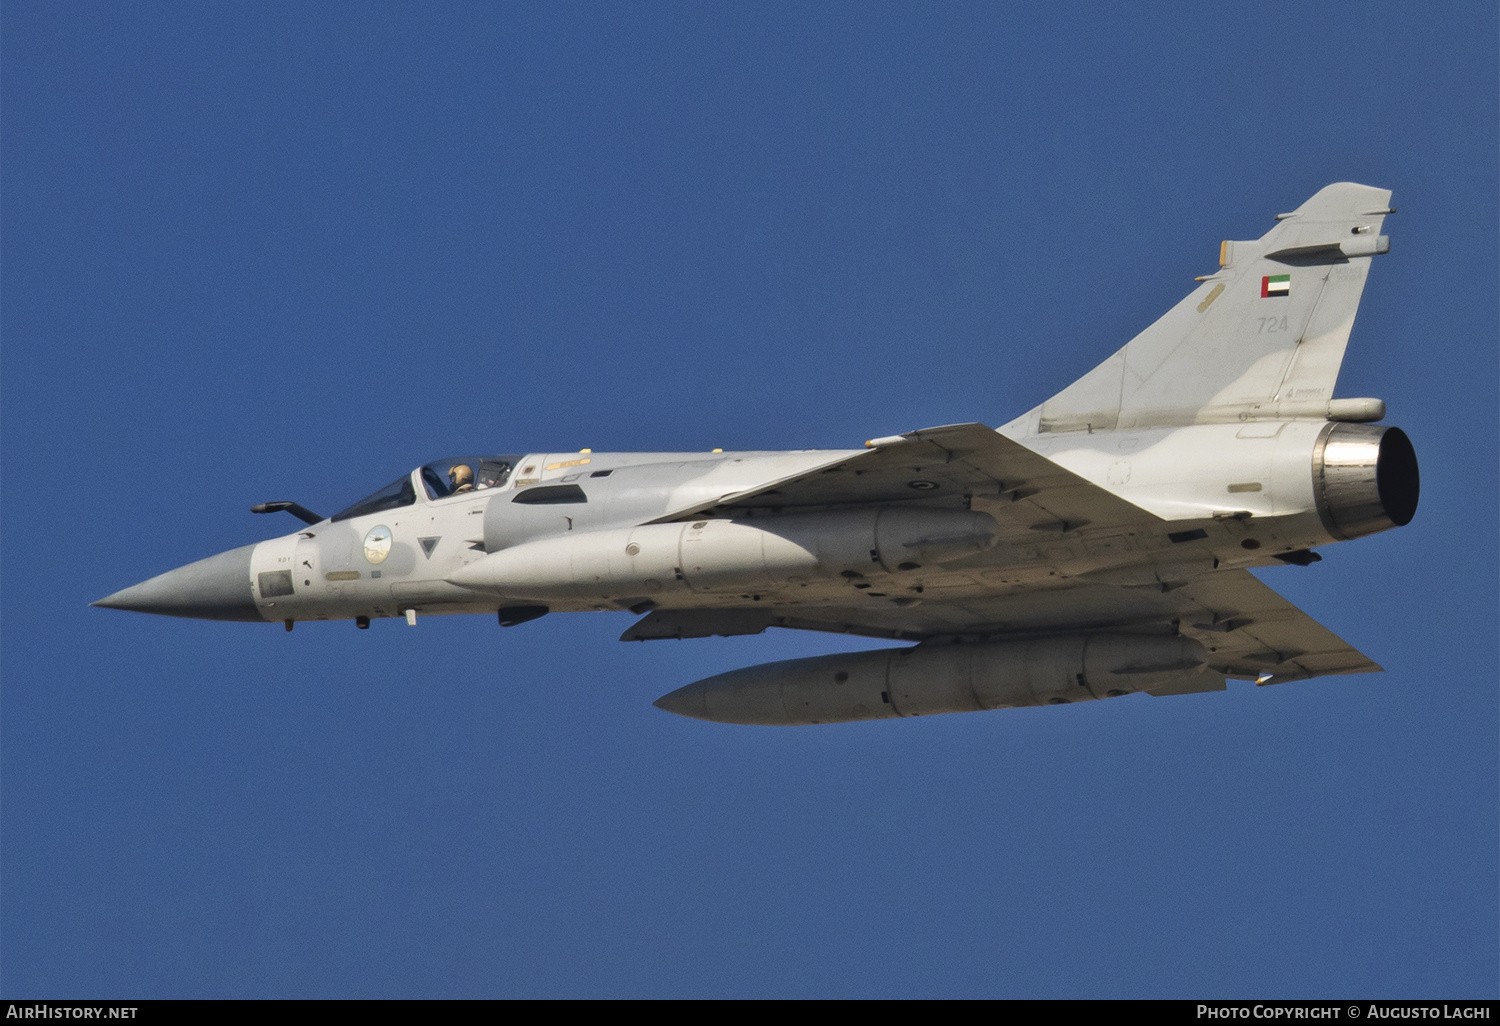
1276	285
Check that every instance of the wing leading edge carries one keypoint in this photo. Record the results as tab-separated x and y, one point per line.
936	466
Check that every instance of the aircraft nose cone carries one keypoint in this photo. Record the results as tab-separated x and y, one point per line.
216	588
690	701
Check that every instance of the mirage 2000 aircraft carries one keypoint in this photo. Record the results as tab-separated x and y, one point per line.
1096	546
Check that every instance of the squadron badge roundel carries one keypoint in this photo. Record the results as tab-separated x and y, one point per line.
378	544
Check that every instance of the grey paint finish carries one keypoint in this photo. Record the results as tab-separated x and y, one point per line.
928	680
1229	347
216	588
1121	516
642	487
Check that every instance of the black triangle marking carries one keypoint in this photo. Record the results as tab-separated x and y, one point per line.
428	544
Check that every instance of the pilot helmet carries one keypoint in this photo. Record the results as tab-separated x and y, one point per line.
460	474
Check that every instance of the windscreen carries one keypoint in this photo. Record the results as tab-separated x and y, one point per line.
393	496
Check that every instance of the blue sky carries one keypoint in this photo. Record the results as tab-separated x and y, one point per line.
270	251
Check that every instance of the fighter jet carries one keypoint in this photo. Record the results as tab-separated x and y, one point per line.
1099	545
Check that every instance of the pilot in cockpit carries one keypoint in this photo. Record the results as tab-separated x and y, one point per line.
461	476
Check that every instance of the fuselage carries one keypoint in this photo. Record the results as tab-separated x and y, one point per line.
344	568
1093	547
596	531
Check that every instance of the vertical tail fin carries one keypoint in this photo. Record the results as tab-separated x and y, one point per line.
1263	337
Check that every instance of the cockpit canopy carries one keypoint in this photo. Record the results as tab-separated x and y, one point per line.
440	479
